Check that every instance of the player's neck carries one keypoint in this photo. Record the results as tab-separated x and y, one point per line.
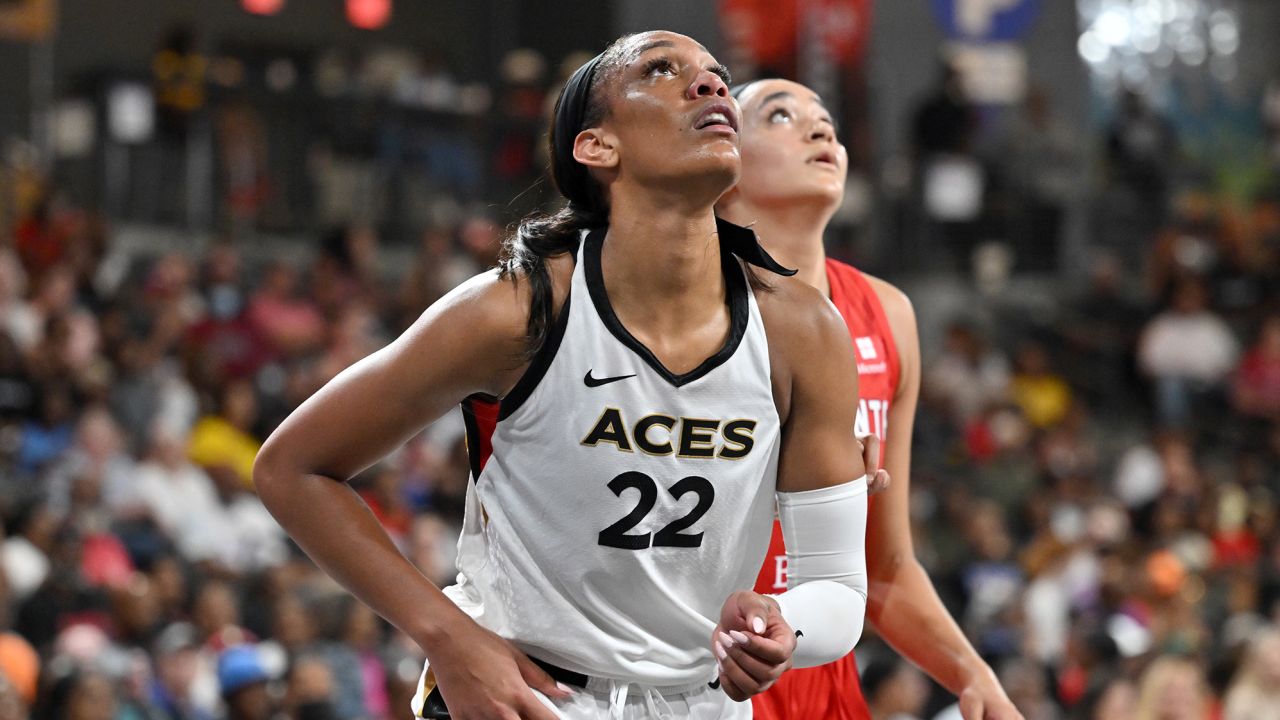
664	259
793	236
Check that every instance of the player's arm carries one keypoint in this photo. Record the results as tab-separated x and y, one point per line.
822	493
470	341
822	503
903	605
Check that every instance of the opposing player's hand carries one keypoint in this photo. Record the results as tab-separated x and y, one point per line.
484	677
986	700
752	644
878	479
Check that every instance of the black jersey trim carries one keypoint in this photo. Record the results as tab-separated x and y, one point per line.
472	436
538	366
735	297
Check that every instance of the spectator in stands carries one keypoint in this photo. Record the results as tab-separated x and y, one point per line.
225	439
18	319
1028	689
946	121
362	632
223	345
20	668
1046	168
78	695
97	464
894	689
1188	352
54	296
17	392
27	548
1173	688
969	375
1101	328
1255	690
179	496
287	320
247	538
1043	395
39	239
1115	698
185	687
242	680
991	579
1141	148
216	615
435	271
310	692
346	668
1256	388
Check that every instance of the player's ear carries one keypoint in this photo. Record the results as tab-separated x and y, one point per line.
596	148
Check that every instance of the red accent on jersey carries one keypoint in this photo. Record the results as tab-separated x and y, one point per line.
480	417
832	691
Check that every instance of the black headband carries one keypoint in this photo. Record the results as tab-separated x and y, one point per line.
570	176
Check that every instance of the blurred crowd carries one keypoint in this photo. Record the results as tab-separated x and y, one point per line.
142	576
1096	488
1096	485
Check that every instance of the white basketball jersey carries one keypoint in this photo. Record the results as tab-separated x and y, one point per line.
616	505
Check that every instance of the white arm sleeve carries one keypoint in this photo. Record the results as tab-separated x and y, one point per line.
826	601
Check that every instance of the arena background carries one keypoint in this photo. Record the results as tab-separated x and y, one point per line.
208	208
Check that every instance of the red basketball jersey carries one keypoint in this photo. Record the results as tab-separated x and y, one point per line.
832	691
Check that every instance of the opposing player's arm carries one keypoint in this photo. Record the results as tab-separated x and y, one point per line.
903	605
471	341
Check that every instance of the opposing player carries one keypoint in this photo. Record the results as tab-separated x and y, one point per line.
637	397
792	182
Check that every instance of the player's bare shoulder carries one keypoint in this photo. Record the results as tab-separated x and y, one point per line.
485	321
897	305
806	334
793	310
902	323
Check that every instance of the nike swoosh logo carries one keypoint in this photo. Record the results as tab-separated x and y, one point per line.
799	633
714	684
597	382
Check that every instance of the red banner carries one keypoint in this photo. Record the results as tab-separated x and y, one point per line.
768	30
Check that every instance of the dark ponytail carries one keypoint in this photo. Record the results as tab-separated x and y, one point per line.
525	252
541	236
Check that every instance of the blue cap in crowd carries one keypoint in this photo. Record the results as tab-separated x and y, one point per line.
240	667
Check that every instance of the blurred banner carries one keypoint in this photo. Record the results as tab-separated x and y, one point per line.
27	20
985	45
986	20
767	32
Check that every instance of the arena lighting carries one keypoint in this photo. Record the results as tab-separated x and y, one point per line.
262	7
368	14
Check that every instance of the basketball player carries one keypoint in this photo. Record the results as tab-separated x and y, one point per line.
792	182
640	384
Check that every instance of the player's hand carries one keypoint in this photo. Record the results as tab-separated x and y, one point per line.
984	699
752	644
484	677
878	479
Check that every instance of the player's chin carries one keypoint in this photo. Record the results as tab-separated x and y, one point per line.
810	190
831	193
710	169
718	155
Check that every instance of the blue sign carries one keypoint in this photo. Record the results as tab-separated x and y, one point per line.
986	20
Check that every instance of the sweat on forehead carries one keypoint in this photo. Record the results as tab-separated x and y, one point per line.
641	43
